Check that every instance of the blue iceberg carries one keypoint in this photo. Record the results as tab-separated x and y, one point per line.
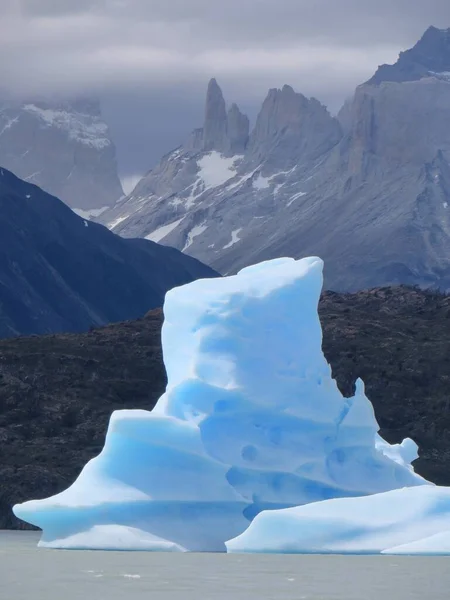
407	521
251	421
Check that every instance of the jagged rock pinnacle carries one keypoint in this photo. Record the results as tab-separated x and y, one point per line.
222	131
215	126
238	127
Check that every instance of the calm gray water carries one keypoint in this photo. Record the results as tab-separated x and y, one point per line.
29	573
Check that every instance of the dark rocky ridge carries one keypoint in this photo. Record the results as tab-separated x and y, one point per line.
59	272
431	54
57	392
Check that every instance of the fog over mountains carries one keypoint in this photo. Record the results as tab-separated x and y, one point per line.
64	147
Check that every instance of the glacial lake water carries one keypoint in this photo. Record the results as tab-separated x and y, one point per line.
29	573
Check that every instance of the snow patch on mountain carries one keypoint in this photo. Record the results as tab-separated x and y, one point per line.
216	169
295	197
9	123
444	76
234	238
195	232
261	183
89	214
162	232
83	128
117	222
64	147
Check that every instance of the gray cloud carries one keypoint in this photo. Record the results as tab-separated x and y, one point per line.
150	60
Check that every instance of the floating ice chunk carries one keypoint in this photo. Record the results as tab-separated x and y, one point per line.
112	537
437	544
403	454
412	520
251	420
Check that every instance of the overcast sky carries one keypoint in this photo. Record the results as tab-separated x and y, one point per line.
150	60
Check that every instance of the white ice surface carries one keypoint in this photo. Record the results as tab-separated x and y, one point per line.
437	544
112	537
412	520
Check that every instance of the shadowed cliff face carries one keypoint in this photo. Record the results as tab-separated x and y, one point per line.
431	54
57	392
59	272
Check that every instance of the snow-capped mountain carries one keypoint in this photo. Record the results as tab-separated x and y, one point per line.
65	148
368	191
194	188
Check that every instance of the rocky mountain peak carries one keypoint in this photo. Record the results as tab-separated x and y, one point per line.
222	131
215	126
430	55
289	124
369	193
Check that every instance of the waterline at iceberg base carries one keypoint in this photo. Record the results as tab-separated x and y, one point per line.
251	421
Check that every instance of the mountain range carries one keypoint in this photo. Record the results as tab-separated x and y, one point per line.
367	190
60	272
64	147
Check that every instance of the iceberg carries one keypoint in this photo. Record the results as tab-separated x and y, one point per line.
408	521
251	421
